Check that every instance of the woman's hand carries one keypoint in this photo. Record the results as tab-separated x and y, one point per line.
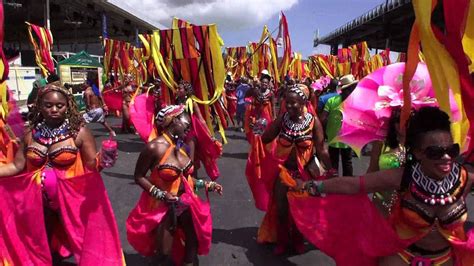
213	186
170	198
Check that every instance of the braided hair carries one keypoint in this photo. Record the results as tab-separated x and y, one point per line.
425	120
72	114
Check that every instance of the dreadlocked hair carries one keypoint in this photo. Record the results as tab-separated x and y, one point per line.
72	114
423	121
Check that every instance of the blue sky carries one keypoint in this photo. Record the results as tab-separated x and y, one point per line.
241	21
303	20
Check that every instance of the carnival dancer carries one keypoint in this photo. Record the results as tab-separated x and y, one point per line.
128	89
95	107
298	136
60	164
388	154
231	97
204	148
426	225
168	210
260	109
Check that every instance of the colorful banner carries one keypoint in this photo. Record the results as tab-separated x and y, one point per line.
43	56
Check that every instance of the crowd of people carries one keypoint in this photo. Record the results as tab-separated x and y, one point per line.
416	215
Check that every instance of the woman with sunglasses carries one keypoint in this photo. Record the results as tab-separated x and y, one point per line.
169	213
426	225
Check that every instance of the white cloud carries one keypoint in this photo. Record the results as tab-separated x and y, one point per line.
227	14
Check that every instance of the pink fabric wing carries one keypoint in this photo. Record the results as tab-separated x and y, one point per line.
149	213
202	218
142	115
113	100
348	228
89	220
141	223
208	150
23	239
14	119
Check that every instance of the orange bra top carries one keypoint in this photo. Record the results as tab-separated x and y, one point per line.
60	157
169	172
415	206
299	134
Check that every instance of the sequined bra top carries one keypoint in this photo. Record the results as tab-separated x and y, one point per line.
39	156
424	193
390	160
170	172
299	134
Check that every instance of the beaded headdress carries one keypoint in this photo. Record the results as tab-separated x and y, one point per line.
166	115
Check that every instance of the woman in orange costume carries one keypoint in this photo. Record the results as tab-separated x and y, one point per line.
58	156
168	210
260	110
426	225
299	136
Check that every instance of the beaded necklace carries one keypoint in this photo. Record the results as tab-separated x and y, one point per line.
48	136
436	192
296	131
263	97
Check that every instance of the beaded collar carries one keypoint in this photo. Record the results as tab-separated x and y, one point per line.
264	96
436	192
48	136
296	130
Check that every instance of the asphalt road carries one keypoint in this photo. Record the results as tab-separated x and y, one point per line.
235	219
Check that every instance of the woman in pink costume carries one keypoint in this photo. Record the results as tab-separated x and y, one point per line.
204	148
298	135
426	225
59	162
168	211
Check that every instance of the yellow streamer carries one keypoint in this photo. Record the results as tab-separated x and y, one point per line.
443	70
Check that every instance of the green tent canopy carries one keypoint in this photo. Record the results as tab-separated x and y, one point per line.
81	59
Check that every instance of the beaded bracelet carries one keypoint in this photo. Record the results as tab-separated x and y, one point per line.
211	186
315	188
199	184
157	193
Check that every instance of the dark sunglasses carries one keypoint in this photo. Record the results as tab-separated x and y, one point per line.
437	152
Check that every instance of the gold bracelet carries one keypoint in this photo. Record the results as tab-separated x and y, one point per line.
151	189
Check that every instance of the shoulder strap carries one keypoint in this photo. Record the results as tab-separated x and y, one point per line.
168	151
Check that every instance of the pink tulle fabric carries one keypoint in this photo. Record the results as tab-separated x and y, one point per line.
353	232
89	220
142	115
208	150
348	228
367	110
23	239
86	215
149	213
14	119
